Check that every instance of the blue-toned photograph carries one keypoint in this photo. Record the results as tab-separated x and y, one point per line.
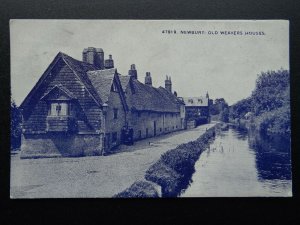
150	109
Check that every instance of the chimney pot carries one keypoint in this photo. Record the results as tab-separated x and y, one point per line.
168	83
109	63
148	79
132	72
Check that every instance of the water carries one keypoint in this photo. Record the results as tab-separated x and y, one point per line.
241	164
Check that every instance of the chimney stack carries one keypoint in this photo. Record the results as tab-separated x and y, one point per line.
148	79
94	56
168	84
109	63
132	72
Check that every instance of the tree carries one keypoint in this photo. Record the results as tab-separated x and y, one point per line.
241	108
15	125
271	91
219	105
270	103
224	115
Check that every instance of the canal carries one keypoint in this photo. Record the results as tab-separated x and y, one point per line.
239	164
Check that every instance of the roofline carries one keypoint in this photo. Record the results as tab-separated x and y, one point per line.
39	82
123	99
60	55
59	87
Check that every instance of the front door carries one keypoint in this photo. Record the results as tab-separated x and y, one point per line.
154	128
107	141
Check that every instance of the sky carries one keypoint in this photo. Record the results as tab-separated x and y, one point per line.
224	65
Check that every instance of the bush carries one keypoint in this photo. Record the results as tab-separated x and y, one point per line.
166	177
275	122
179	160
139	189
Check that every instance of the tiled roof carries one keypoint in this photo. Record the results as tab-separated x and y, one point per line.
124	79
63	89
102	81
195	101
148	98
98	83
81	68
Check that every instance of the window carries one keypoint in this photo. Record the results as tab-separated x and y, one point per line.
59	109
115	113
146	132
114	87
140	134
139	114
114	137
190	100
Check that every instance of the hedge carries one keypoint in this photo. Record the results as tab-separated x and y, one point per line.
175	168
139	189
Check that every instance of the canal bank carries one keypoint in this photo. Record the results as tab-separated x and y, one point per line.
173	171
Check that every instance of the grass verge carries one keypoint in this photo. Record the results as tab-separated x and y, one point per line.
175	168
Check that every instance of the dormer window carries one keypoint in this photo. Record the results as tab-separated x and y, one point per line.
114	87
59	109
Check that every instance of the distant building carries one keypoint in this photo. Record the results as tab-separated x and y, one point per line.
79	108
197	109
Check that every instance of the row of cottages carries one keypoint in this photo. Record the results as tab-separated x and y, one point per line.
80	108
197	110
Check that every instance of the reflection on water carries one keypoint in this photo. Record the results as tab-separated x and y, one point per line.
273	157
243	164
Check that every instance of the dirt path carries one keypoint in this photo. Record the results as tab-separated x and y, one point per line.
95	176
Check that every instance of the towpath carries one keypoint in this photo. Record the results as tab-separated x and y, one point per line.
97	176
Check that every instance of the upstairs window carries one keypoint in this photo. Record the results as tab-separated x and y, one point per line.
114	87
59	109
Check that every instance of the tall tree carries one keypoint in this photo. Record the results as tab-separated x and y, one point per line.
15	125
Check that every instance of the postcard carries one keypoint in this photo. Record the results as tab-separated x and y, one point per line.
150	108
